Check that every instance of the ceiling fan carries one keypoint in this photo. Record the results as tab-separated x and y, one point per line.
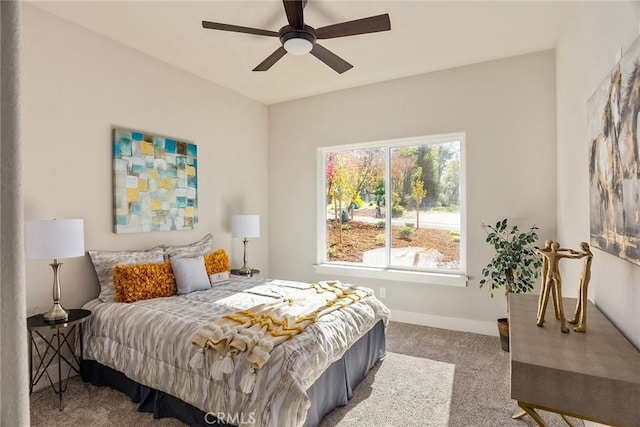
299	39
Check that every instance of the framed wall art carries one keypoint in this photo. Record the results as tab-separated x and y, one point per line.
155	183
614	160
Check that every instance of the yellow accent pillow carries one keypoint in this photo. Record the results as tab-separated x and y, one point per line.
143	281
216	262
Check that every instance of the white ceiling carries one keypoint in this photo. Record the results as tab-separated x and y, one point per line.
425	36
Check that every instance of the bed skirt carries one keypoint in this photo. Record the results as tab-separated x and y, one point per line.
334	387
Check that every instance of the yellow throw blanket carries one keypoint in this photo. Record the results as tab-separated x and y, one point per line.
256	331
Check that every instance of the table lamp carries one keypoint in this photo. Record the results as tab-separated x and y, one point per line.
54	239
245	226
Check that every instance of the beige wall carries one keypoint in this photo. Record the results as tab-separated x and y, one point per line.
77	85
586	54
506	108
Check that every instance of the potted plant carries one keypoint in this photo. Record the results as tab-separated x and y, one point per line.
514	266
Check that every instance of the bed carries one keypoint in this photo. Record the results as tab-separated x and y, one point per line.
146	349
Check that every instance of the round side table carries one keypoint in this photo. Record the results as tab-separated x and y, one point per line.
49	347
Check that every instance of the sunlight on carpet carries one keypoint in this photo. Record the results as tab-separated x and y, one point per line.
419	389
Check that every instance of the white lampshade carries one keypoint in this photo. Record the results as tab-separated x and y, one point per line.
55	238
245	226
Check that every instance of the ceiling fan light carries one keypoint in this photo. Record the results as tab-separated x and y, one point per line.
298	46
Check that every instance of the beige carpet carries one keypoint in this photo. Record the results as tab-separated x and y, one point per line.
431	377
419	389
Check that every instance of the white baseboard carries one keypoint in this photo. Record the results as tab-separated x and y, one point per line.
442	322
53	372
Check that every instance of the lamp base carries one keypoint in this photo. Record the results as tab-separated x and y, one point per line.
245	270
56	314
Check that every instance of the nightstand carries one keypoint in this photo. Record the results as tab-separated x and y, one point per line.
52	348
237	272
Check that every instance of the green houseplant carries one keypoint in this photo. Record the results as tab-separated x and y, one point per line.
515	266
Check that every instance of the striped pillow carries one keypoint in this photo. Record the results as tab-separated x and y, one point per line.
104	262
201	247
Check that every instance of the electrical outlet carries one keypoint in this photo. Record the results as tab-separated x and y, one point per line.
41	346
382	292
40	343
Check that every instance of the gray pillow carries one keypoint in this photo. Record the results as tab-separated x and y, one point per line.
104	261
201	247
191	274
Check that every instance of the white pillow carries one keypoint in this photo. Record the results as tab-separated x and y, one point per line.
191	274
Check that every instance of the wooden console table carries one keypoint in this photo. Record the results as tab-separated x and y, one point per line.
593	376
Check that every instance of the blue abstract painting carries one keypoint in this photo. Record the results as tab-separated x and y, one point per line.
155	183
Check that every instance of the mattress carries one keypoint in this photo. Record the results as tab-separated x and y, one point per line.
150	342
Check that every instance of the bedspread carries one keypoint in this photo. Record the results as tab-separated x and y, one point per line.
150	342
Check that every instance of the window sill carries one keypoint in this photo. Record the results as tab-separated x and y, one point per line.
457	280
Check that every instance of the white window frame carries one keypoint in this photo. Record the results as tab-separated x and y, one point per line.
436	277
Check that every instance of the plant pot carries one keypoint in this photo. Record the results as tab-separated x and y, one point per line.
503	330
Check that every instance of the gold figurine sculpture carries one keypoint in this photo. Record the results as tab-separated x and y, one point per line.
580	315
552	253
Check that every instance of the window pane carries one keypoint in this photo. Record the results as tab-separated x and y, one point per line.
425	209
355	206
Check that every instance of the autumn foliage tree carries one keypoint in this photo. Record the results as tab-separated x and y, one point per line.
418	192
353	173
331	179
402	165
350	174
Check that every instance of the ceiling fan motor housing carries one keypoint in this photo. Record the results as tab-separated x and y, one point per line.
297	41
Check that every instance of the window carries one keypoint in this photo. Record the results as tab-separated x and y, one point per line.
414	227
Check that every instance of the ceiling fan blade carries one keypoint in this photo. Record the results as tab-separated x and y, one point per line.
238	29
293	9
271	59
331	59
372	24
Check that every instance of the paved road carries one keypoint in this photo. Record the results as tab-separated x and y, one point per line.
439	220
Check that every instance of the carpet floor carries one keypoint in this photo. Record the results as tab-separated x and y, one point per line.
430	377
